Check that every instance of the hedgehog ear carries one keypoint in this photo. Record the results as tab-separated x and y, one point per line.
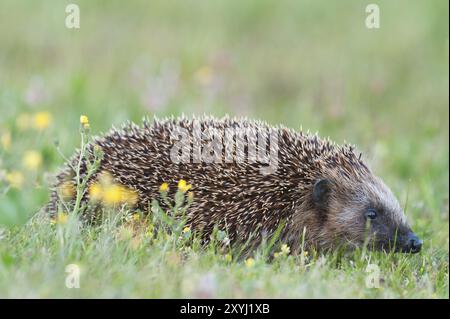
321	191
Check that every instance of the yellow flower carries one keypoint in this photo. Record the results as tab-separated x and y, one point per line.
32	160
62	218
164	187
183	186
186	229
41	120
136	217
249	262
111	193
67	190
118	194
5	140
129	196
23	121
228	257
15	179
285	249
84	120
95	192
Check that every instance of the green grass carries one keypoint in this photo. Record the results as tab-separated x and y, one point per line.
309	64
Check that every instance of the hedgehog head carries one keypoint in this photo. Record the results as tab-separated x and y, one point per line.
356	208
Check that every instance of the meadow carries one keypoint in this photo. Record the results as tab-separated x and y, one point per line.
309	65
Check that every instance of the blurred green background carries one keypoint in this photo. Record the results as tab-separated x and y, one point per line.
305	64
310	64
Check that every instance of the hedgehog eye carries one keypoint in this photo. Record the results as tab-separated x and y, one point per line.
371	213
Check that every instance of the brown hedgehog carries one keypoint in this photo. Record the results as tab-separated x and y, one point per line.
250	178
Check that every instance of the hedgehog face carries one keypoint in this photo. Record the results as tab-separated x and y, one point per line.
364	212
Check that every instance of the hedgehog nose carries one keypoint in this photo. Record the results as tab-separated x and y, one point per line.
414	244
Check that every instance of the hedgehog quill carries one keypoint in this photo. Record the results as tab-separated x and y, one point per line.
251	184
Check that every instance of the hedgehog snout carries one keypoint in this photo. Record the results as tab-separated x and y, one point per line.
413	244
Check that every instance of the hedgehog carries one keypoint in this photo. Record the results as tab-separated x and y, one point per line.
252	180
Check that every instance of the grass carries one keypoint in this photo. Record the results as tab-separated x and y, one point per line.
309	64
